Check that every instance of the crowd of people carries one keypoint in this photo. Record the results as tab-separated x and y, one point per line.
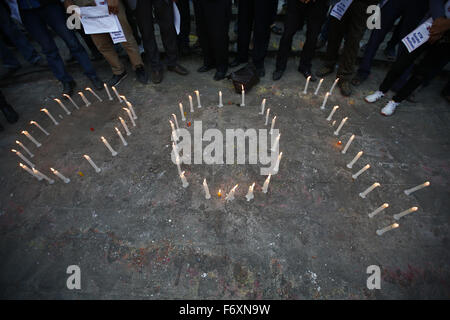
42	19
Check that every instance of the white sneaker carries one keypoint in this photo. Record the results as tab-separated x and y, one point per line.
377	95
389	108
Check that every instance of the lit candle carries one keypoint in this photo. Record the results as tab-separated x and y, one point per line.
50	116
59	175
97	169
40	128
117	94
71	100
174	133
124	125
334	122
220	99
277	164
182	112
93	92
24	167
332	113
421	186
175	119
121	136
266	184
43	176
348	144
107	91
306	85
62	106
86	101
183	180
113	152
273	124
334	85
130	116
378	210
230	196
243	97
123	98
25	148
191	104
325	101
267	116
205	187
249	195
318	87
130	106
30	137
263	106
340	126
404	213
177	161
21	156
356	175
392	226
276	143
351	163
368	190
198	99
219	193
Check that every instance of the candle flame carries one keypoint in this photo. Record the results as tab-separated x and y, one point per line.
219	194
414	208
22	165
182	174
395	225
53	170
13	150
44	110
427	183
386	205
86	156
376	184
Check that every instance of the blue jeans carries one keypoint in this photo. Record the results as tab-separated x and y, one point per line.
52	15
10	29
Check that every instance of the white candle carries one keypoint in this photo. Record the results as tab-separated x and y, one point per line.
318	87
266	184
62	106
97	169
130	106
277	164
356	175
107	91
43	176
349	142
273	124
334	85
24	167
29	136
174	133
230	196
71	100
276	143
25	148
199	105
175	149
351	163
191	104
378	210
21	156
113	152
123	98
117	94
124	125
50	116
404	213
177	161
205	187
243	97
59	175
340	126
130	116
325	101
220	99
121	136
306	85
334	122
267	116
392	226
420	186
183	180
86	101
182	112
176	121
263	106
40	128
250	195
368	190
93	92
332	113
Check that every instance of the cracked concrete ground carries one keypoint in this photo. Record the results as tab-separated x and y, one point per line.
136	233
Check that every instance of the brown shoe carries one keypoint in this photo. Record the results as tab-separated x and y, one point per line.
178	69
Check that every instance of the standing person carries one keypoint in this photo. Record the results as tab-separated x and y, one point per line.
185	27
105	44
10	114
256	15
164	15
213	22
352	25
37	16
314	12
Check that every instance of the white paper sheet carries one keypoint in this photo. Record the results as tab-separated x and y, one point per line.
340	8
96	19
418	37
118	36
176	18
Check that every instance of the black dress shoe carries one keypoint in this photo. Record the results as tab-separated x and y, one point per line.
307	73
261	72
277	74
116	79
178	69
157	76
96	83
68	87
141	75
10	114
220	75
205	68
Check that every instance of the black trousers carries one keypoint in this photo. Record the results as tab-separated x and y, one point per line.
297	12
213	22
256	15
164	17
435	54
185	23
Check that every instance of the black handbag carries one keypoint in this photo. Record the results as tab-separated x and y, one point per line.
245	77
